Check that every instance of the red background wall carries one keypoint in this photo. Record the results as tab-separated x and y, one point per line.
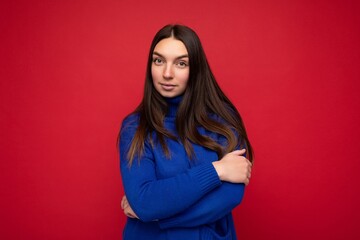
71	70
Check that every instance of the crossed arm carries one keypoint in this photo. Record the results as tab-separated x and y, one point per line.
212	190
233	171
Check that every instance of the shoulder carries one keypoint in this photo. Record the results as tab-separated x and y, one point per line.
131	119
130	123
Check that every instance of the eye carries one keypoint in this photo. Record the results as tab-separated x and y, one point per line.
182	64
158	61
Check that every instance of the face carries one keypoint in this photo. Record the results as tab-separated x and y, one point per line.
170	67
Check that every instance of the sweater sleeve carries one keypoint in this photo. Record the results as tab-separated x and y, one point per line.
155	199
212	207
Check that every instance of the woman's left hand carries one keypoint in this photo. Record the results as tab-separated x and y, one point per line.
127	209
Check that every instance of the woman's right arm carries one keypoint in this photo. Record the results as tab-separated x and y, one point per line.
234	170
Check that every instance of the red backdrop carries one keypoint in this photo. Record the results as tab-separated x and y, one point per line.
71	70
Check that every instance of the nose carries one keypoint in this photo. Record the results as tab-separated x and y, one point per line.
168	72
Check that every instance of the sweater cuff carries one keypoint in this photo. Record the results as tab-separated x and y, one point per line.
207	177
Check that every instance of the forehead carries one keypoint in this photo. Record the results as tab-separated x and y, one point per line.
170	47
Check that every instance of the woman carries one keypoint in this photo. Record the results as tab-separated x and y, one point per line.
181	150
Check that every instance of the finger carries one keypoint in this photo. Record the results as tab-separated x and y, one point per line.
248	162
239	152
126	211
126	204
246	182
122	202
128	214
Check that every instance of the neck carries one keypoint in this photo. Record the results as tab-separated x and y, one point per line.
173	105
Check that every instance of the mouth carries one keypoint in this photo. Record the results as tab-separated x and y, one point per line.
167	84
167	87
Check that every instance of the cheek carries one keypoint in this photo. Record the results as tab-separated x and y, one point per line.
155	75
152	72
184	78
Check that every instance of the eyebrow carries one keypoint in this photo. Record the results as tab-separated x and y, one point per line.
179	57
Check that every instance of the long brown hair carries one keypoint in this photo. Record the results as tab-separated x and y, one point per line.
202	99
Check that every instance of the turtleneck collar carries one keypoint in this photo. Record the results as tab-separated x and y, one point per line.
173	105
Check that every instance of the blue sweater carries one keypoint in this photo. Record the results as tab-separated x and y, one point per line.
176	198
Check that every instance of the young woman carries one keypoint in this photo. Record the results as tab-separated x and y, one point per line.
184	153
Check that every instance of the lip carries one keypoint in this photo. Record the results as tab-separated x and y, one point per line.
167	87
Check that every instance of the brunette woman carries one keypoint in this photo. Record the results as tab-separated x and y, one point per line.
184	152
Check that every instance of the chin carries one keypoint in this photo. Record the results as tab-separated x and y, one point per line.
169	95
